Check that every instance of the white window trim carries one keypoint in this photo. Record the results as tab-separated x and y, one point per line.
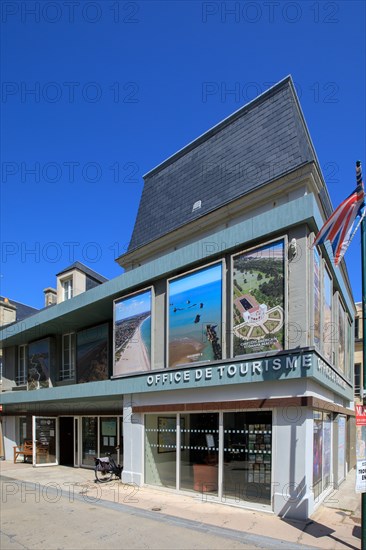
22	370
67	288
69	372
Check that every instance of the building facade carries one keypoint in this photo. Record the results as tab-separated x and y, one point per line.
221	360
358	352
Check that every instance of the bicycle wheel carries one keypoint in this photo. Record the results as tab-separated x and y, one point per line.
103	475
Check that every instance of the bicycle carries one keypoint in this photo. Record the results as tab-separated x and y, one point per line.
106	468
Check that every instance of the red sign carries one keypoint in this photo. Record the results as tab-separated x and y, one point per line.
360	415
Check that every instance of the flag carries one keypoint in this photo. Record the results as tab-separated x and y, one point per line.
338	228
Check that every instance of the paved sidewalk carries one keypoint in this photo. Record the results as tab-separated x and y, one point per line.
335	524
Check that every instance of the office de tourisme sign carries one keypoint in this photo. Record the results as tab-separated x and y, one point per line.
282	367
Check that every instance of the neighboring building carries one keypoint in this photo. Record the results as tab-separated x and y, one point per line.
74	280
358	352
11	312
254	410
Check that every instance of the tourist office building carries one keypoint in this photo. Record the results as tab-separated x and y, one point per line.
220	360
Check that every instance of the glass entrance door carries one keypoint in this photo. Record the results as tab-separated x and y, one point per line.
45	440
108	439
89	437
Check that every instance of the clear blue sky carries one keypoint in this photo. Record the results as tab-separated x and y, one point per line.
120	86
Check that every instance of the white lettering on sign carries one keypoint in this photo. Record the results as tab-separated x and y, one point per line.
237	371
330	374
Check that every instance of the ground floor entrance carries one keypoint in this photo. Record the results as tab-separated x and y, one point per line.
226	454
71	440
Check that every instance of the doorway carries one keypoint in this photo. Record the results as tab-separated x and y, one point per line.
66	441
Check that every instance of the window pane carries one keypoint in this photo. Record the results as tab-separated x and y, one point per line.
357	378
199	452
89	440
108	436
247	456
160	450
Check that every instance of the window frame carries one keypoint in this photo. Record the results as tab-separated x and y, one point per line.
22	370
71	351
67	288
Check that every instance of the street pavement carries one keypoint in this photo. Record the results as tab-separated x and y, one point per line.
156	518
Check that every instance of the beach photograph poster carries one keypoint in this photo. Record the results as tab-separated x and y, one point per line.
132	333
195	316
39	357
259	299
92	354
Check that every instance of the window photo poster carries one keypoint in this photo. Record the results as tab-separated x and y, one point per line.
132	333
258	299
195	316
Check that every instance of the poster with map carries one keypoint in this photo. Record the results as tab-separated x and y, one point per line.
258	299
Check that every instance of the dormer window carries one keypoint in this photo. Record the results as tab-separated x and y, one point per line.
67	288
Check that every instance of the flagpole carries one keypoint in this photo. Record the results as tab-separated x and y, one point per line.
363	275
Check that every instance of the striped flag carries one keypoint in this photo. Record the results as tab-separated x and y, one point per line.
338	228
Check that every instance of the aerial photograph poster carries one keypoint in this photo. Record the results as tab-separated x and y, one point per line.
39	364
132	333
92	354
258	299
195	316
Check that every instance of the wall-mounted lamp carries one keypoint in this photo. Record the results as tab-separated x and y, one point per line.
292	249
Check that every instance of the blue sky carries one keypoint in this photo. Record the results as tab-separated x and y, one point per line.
95	94
196	279
133	306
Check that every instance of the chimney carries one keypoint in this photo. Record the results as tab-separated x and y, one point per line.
50	296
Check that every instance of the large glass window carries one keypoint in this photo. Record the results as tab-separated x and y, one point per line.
89	439
21	377
357	327
247	456
246	446
199	448
24	429
108	436
160	450
357	379
45	436
68	357
322	452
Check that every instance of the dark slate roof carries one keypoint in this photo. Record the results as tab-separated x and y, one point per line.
258	143
22	311
85	269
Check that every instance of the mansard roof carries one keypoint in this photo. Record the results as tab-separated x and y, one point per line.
259	143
